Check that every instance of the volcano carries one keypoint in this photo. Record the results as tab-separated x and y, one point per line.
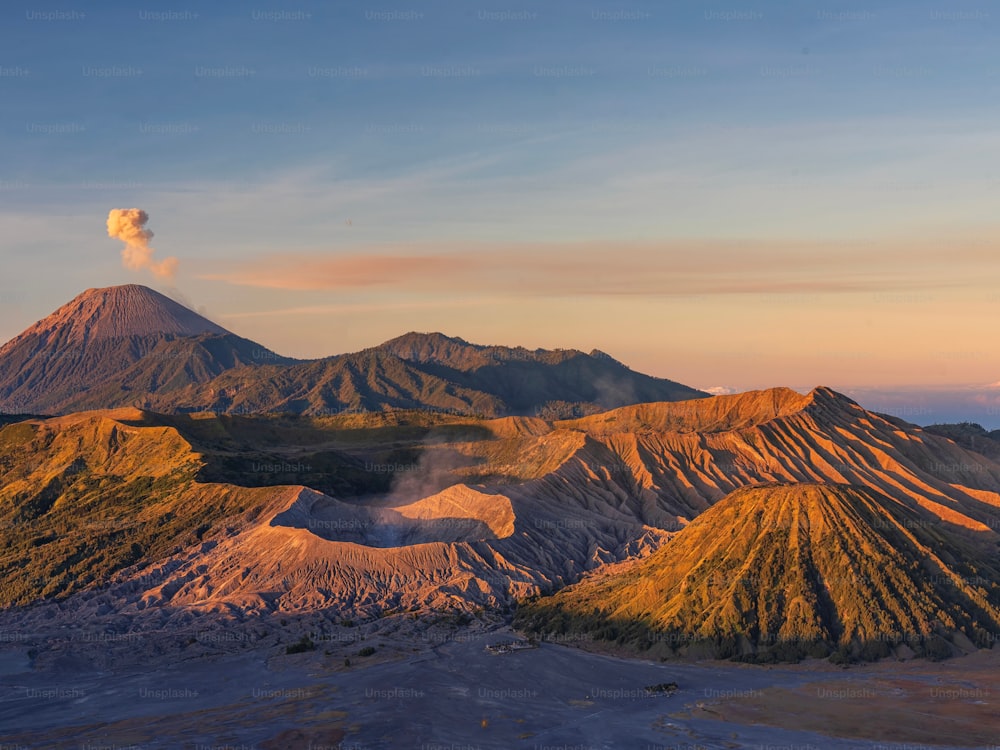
786	571
106	345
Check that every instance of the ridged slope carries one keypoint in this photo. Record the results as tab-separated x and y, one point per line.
725	443
459	354
481	510
108	347
115	312
366	381
787	568
717	414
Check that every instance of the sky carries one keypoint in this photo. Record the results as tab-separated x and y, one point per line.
729	194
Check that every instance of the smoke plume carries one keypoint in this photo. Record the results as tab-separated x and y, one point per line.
129	226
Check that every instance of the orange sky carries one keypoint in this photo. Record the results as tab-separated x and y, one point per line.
747	314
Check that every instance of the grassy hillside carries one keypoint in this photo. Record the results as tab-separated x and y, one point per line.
85	496
80	501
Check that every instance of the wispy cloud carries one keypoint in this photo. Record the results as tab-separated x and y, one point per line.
668	268
343	272
365	307
721	390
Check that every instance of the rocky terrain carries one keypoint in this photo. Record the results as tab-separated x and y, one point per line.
150	520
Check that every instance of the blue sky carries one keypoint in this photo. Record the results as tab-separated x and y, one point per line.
805	147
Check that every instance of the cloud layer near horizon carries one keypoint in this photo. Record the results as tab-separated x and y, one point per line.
675	268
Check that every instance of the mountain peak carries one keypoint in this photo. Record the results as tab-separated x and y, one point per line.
419	339
117	312
788	571
828	399
113	346
451	350
598	354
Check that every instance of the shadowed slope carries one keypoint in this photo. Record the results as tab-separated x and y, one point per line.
970	435
550	383
435	372
366	381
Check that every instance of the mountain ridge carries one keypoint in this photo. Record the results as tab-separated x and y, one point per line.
463	355
129	345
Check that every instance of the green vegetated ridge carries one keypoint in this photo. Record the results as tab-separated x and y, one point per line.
472	379
85	496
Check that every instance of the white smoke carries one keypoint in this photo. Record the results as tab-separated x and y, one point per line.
721	390
129	226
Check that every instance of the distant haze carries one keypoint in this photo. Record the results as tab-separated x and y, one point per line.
936	406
